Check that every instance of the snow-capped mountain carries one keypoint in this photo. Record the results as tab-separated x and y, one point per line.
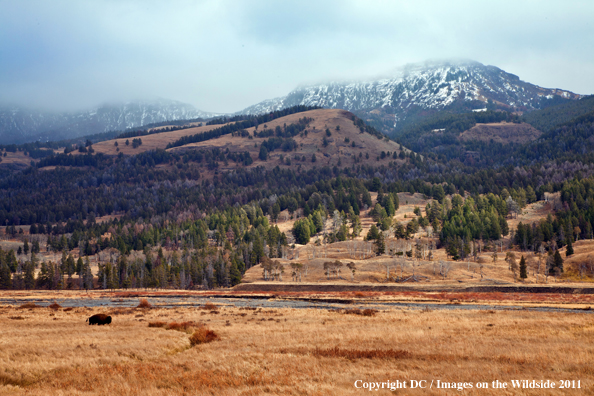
466	85
19	125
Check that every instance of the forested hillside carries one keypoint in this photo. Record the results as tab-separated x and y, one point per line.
202	212
552	116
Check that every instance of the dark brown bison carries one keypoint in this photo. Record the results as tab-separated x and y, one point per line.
99	319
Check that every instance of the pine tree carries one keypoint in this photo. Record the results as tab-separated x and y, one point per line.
569	250
35	248
390	208
523	269
5	276
87	275
29	275
557	263
380	245
43	279
235	274
373	233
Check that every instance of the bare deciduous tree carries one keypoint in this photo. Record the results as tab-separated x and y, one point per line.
351	266
444	268
296	273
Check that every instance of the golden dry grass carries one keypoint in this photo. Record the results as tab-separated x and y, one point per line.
532	213
149	142
288	352
337	149
17	158
373	269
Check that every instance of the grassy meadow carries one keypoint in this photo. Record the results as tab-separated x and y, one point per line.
47	351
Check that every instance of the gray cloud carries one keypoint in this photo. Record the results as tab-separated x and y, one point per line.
226	55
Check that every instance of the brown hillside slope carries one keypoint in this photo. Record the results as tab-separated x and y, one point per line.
502	132
149	142
340	150
346	146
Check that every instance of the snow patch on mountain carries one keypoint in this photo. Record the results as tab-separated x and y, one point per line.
430	85
19	125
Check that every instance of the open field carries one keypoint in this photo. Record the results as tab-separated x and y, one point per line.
502	132
288	351
17	159
149	142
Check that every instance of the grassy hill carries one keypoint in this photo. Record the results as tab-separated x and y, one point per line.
330	136
327	138
156	140
501	132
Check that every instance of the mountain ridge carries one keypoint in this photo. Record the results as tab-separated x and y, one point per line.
428	86
389	102
19	125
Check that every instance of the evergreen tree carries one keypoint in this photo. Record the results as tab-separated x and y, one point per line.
43	279
35	248
263	153
452	250
301	231
438	193
306	210
380	245
390	207
557	263
275	212
87	275
569	250
79	266
523	269
29	278
235	274
373	233
5	276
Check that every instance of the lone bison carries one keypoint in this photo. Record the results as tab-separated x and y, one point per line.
99	319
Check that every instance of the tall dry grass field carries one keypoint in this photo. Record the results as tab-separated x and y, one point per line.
287	351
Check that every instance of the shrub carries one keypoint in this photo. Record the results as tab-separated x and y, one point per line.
187	327
357	311
183	326
369	312
351	354
144	303
121	311
210	307
202	336
55	306
361	353
29	305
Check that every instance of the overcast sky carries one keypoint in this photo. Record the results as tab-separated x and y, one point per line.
223	56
